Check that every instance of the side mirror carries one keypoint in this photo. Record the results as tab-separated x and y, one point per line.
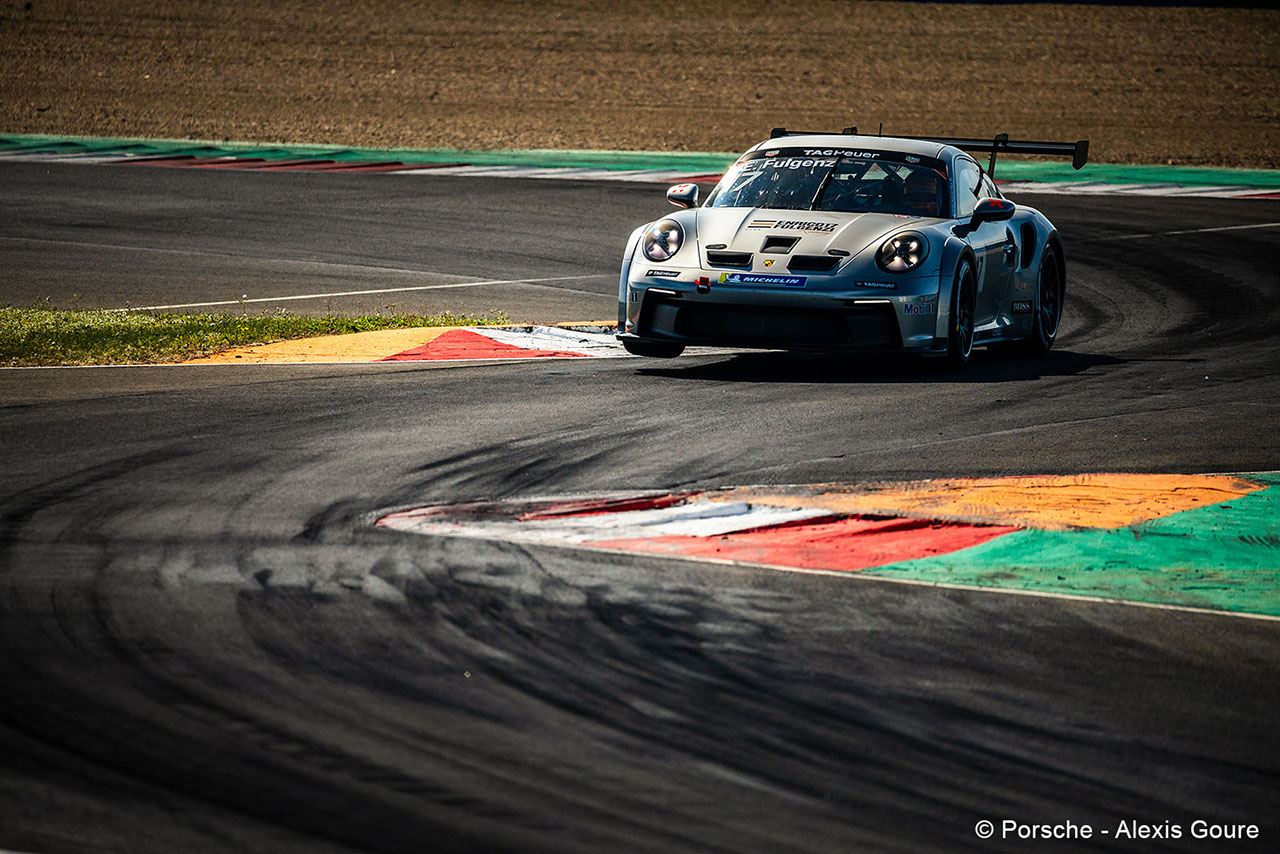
992	210
683	195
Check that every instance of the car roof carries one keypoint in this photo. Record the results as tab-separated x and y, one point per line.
872	143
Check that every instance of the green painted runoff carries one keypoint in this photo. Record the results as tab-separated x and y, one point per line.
1222	557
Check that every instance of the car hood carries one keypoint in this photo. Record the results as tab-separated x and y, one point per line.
745	229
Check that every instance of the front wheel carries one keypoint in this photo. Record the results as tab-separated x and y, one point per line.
960	329
653	349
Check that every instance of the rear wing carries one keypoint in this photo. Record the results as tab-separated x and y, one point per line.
1078	151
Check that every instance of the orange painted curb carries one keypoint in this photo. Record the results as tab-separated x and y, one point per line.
356	347
1049	503
386	345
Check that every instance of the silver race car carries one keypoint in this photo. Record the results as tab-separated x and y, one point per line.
848	243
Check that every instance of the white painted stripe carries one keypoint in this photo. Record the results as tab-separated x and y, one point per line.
1097	188
82	157
357	293
326	265
561	172
204	253
697	518
1208	191
550	338
466	170
1183	231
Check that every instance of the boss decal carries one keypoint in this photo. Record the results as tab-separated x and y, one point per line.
663	274
760	279
1022	307
921	308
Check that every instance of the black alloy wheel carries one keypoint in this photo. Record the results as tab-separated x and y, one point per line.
1048	308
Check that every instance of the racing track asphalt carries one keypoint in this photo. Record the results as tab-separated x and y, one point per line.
205	647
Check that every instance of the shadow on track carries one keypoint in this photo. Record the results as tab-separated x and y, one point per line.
775	367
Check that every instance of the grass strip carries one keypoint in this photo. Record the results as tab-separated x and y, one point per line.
41	336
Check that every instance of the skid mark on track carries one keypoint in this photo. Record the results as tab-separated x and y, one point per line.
1197	542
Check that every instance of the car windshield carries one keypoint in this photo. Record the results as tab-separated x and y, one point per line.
851	182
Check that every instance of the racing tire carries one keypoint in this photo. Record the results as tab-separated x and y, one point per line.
653	349
1047	311
960	327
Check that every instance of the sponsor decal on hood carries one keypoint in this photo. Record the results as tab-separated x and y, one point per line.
743	230
795	225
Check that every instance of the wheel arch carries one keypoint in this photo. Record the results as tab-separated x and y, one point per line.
954	251
624	276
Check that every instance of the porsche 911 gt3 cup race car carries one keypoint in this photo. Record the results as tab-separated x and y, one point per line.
848	243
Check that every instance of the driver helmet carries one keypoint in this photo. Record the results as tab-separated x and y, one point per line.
920	192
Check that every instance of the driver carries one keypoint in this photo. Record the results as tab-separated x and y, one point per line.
921	192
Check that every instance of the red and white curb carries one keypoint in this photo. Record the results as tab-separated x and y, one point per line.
571	173
1098	188
706	526
597	344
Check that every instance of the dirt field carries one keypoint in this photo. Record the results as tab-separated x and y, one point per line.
1146	85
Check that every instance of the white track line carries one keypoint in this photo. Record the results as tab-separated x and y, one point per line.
696	518
363	268
360	293
1185	231
1099	188
336	265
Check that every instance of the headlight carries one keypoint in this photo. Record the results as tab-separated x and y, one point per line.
662	240
902	252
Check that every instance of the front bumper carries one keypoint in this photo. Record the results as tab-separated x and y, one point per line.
827	314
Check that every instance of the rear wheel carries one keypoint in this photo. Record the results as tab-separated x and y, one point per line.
653	349
960	330
1048	308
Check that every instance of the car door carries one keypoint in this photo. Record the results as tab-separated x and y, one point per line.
1001	275
990	242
